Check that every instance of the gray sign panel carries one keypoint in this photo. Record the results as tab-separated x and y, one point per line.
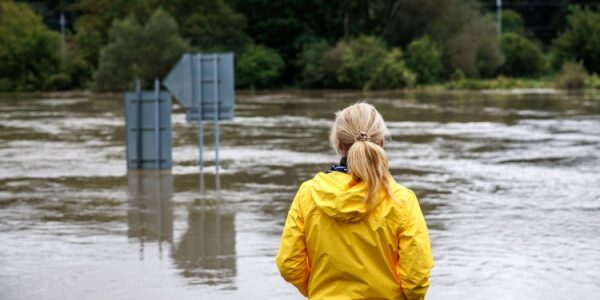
148	130
198	78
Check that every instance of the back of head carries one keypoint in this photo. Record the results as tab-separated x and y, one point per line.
358	133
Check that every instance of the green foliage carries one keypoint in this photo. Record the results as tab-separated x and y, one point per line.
93	25
512	22
313	72
581	41
356	60
593	82
363	62
59	82
392	73
441	38
79	71
523	58
423	56
258	67
474	46
457	75
291	26
211	25
29	52
135	51
571	76
410	19
468	38
499	82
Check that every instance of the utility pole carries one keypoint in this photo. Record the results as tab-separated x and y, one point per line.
499	15
63	22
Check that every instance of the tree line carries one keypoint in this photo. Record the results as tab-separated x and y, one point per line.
353	44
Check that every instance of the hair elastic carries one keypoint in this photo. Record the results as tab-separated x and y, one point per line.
362	136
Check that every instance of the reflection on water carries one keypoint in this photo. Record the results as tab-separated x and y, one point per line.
508	184
205	251
150	207
207	248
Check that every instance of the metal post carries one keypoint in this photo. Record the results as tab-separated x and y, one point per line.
63	22
159	212
157	119
216	121
138	131
499	15
197	94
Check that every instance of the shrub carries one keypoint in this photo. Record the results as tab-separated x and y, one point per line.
59	82
29	52
5	85
499	82
581	41
424	57
512	21
392	73
258	66
571	76
350	64
135	51
77	68
309	61
363	62
593	82
355	61
522	57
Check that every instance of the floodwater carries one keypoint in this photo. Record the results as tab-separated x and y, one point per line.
509	184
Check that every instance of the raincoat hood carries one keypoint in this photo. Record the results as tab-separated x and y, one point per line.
338	195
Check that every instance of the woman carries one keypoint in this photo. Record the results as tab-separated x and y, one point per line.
354	233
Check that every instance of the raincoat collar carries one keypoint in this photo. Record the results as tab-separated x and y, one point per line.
338	195
342	167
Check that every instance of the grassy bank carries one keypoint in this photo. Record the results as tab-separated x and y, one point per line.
501	82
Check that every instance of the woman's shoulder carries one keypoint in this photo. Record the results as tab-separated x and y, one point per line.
402	194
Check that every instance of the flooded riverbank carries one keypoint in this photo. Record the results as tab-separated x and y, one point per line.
508	183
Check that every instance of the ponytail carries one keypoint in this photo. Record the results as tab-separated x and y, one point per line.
358	133
368	162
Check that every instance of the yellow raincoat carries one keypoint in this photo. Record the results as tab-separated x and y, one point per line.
331	248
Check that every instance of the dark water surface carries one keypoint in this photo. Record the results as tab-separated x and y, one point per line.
509	184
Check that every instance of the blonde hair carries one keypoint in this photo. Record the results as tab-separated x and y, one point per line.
358	133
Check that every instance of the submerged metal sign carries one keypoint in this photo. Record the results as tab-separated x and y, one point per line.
204	84
202	81
148	128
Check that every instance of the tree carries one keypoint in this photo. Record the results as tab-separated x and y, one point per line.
29	52
211	25
512	22
314	74
93	26
581	40
523	58
136	51
352	63
392	73
291	26
572	75
424	57
258	67
468	38
362	62
287	27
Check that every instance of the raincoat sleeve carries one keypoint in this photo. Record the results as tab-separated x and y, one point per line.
415	259
292	258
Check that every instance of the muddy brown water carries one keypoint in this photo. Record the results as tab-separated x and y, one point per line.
509	184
